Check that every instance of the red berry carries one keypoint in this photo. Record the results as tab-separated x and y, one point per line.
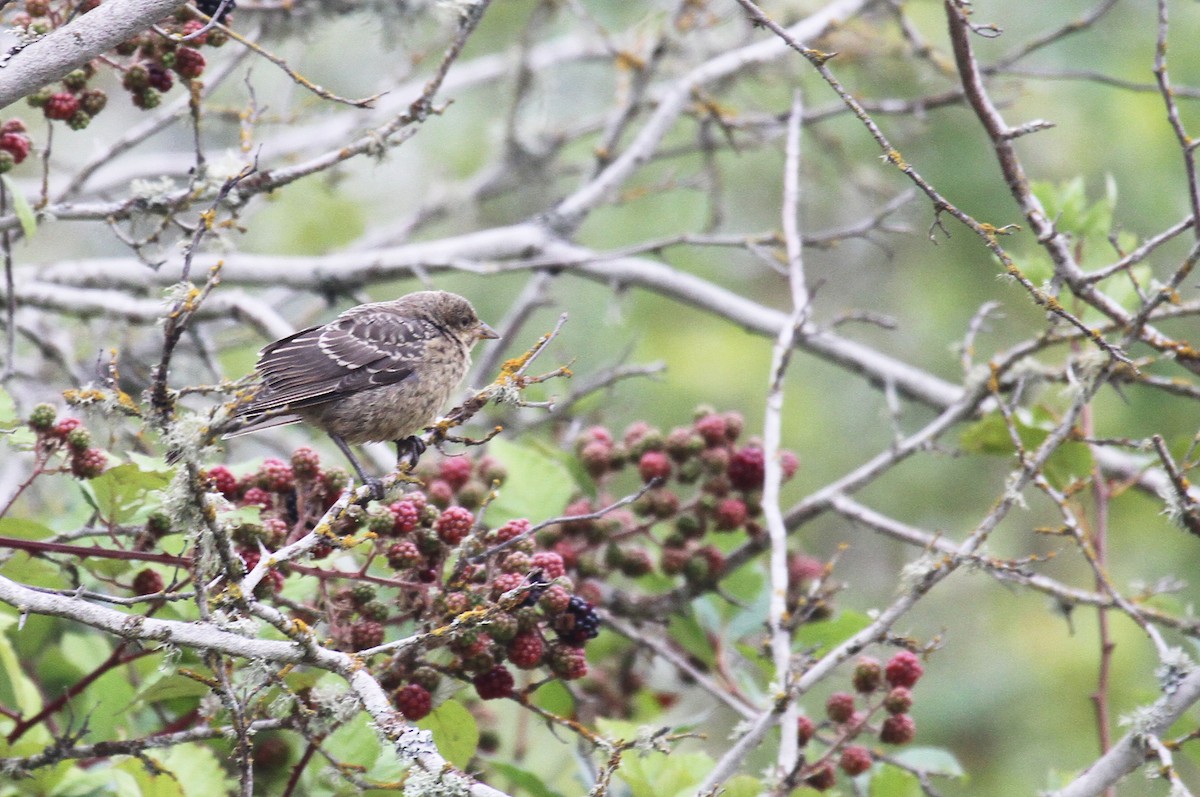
406	515
13	126
550	563
868	675
904	669
513	528
256	496
730	514
525	650
855	760
503	582
712	429
306	464
555	600
194	26
147	582
898	729
805	728
840	707
654	465
413	701
366	634
789	463
189	63
746	469
802	568
61	106
567	661
403	555
596	457
898	701
88	463
454	525
455	471
276	476
495	683
16	144
822	778
223	481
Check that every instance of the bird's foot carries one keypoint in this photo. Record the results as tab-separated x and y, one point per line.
378	493
408	452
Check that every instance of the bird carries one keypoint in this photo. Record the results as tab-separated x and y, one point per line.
379	372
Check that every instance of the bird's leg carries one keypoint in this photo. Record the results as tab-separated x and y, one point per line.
376	485
408	451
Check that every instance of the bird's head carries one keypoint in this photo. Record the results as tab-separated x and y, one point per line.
455	314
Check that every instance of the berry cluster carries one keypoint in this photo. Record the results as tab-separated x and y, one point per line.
14	144
440	567
701	480
849	716
69	436
152	60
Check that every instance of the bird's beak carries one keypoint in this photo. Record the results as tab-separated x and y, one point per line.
485	332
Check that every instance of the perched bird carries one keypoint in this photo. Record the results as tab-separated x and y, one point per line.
378	372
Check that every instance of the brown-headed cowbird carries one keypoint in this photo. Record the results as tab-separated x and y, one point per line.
378	372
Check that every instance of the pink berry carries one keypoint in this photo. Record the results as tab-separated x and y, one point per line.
455	471
454	525
730	514
61	106
855	760
550	563
904	669
840	707
898	729
654	465
525	650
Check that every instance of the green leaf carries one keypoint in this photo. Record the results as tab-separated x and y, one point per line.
742	786
661	775
8	410
22	208
933	760
555	698
990	435
526	781
537	485
824	635
120	493
16	689
195	769
24	529
894	782
454	732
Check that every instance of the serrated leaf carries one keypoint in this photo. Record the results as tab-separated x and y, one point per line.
454	732
660	775
527	782
537	486
195	768
120	493
21	208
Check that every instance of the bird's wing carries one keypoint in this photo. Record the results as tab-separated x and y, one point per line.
357	351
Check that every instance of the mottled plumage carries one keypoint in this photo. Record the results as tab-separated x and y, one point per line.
377	372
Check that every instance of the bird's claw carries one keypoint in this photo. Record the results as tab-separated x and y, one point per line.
409	451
